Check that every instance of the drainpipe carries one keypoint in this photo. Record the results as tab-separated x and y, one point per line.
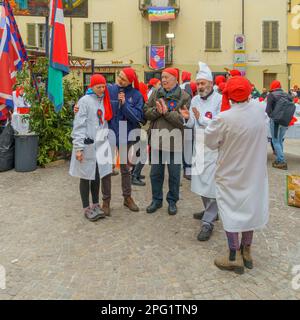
289	75
243	16
71	36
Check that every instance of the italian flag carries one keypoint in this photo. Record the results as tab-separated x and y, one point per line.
58	62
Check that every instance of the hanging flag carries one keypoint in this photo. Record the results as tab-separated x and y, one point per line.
12	53
58	62
157	57
161	13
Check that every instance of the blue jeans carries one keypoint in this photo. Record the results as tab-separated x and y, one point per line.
157	176
278	133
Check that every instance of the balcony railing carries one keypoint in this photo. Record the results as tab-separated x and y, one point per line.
145	4
169	55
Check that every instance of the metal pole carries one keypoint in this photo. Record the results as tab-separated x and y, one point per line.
71	36
47	36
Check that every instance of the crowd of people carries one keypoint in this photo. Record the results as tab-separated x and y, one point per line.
228	170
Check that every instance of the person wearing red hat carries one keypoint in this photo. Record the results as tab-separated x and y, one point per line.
91	122
188	142
204	108
127	107
153	84
219	80
240	137
163	112
136	176
127	104
186	78
234	73
278	100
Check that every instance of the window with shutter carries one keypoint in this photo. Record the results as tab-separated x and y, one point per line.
42	36
98	36
109	36
159	31
217	35
213	36
87	36
270	36
275	27
31	34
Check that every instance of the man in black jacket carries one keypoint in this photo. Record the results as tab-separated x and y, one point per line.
277	131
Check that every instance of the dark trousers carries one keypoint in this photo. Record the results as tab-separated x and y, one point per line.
93	186
136	173
157	176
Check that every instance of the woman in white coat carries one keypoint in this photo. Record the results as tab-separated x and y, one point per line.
90	143
240	136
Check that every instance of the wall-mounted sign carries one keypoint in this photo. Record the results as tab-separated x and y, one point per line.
239	53
239	42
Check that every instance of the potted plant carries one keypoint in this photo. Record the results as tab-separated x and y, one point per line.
53	129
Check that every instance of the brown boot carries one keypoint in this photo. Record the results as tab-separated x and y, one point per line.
282	166
247	258
232	262
129	203
106	207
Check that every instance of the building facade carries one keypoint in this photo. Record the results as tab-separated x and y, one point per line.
294	43
118	33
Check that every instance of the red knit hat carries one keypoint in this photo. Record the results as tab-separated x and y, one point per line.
173	71
235	73
99	79
143	90
186	76
275	85
132	77
193	86
219	79
238	89
222	86
154	81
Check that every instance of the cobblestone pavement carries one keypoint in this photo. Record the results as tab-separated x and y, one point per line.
50	251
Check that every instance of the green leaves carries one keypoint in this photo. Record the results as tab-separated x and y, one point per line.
54	129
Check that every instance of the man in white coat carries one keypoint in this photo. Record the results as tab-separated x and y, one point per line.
240	137
204	108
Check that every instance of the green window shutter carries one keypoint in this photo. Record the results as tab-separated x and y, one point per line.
209	35
87	36
31	34
266	35
217	35
109	36
275	29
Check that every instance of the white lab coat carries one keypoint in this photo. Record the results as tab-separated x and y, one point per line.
240	136
87	125
204	159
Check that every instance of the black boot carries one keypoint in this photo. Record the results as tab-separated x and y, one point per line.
137	182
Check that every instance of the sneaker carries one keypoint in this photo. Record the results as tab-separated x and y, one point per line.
94	214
